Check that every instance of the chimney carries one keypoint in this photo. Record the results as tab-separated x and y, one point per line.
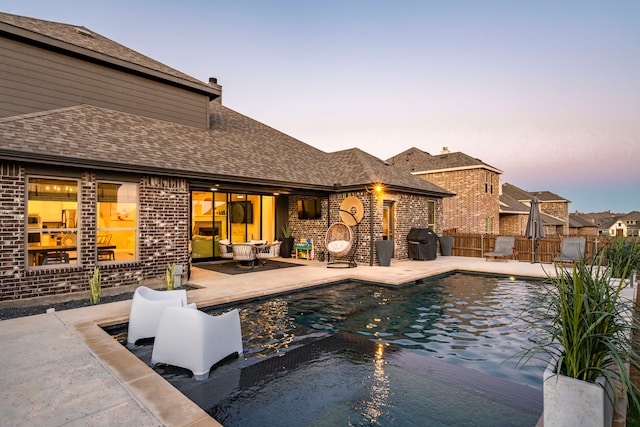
445	150
213	81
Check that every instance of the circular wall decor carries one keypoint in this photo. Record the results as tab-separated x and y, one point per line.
238	214
353	205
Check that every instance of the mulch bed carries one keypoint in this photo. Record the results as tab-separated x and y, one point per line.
40	308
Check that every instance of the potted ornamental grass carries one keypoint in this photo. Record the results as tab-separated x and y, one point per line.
582	326
287	242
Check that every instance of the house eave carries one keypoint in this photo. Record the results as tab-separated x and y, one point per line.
225	181
460	168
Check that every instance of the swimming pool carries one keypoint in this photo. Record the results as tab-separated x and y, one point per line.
358	354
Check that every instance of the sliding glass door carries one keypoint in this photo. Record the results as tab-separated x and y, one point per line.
237	217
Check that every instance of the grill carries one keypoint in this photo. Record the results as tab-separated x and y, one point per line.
422	244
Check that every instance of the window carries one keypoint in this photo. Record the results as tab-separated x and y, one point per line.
488	182
488	225
431	214
52	221
117	212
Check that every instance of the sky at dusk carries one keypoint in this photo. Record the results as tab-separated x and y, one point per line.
546	91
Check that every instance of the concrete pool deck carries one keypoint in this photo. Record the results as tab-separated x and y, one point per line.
61	368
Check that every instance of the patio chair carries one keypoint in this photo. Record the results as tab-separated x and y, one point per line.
268	251
504	248
572	249
196	341
147	306
244	253
338	241
225	249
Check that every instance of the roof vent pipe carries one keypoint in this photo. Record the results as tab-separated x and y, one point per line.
445	150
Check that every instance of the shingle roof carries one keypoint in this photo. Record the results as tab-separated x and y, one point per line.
237	149
83	40
579	221
355	168
415	160
548	196
522	195
515	192
550	220
510	205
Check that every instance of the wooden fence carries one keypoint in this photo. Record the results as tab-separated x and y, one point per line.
475	245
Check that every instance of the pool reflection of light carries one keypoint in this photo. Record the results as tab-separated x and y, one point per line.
272	330
377	406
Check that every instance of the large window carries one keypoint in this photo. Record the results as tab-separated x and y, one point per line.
117	213
52	221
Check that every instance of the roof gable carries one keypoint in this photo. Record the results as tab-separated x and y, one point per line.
355	168
415	160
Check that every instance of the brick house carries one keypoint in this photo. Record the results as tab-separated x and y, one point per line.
109	158
622	225
581	226
475	206
554	210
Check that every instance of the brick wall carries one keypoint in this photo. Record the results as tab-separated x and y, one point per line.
410	211
513	225
163	238
469	209
559	210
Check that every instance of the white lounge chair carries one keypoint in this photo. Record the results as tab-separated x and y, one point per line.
196	341
147	306
504	248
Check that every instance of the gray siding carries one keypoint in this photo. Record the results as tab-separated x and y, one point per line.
34	79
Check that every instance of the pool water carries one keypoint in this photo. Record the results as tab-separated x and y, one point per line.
434	353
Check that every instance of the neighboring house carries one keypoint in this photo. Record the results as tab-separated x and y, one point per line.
553	208
581	226
109	158
513	216
475	206
622	225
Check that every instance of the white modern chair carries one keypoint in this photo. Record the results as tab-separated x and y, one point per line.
196	341
146	309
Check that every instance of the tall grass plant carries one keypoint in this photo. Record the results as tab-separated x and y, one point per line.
623	256
582	323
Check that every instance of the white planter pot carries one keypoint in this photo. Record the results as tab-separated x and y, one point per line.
572	402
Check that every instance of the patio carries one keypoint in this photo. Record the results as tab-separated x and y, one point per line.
62	368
